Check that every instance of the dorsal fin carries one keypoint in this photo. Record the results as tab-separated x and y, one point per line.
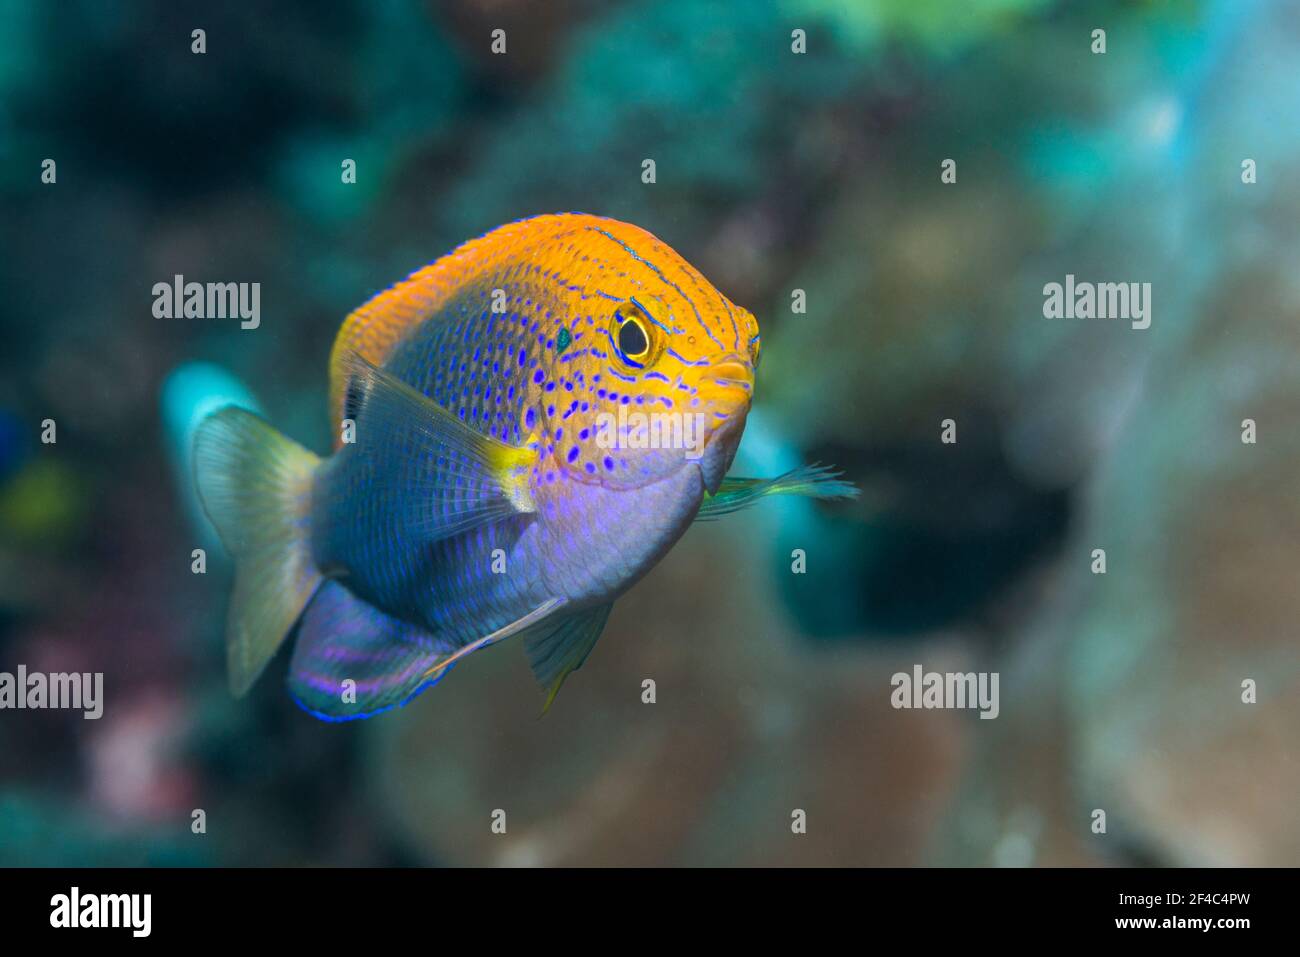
374	329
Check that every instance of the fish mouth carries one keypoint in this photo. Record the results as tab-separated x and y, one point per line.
731	371
727	387
729	381
732	374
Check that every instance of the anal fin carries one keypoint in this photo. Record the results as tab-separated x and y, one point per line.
342	639
388	661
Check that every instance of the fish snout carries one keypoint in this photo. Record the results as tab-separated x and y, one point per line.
729	379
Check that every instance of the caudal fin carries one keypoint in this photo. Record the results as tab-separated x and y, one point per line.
255	485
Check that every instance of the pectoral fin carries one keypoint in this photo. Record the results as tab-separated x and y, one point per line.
810	481
472	479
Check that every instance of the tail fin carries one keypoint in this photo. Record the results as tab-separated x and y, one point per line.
255	485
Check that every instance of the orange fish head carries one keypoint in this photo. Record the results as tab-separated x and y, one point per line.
666	389
647	367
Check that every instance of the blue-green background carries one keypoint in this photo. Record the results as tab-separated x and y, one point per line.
776	171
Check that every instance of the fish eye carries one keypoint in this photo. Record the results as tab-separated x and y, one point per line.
632	339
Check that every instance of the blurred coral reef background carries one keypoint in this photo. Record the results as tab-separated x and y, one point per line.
775	172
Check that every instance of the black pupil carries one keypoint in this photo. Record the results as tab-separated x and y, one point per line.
631	339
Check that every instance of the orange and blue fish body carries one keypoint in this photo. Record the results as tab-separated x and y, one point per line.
523	429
